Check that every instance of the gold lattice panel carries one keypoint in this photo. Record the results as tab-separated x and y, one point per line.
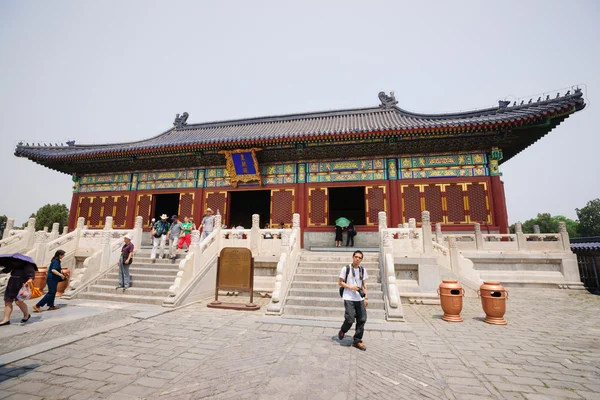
83	210
186	205
478	203
455	203
120	211
317	206
433	203
95	213
411	202
376	197
144	208
282	206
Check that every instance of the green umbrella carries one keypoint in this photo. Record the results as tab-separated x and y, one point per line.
342	222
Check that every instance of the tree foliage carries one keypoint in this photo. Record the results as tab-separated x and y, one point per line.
589	218
548	224
49	214
3	219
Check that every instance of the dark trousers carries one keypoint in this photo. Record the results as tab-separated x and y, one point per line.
50	296
355	310
350	239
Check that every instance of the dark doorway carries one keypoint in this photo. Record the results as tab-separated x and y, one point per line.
347	202
245	203
166	204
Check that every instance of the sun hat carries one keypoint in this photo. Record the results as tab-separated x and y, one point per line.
164	216
209	210
128	236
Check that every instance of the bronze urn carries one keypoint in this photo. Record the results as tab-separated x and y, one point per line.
451	298
493	300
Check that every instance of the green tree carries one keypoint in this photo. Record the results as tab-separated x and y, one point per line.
549	224
49	214
589	218
3	219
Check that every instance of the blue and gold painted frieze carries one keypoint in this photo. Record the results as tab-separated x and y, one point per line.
442	166
278	174
167	175
104	179
346	171
119	187
166	185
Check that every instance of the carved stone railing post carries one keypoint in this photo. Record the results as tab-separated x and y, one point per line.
30	233
564	235
454	259
137	233
382	220
427	235
412	223
54	234
536	231
520	237
108	224
439	236
218	226
39	245
10	225
78	229
105	246
45	230
405	225
478	236
65	230
296	225
255	234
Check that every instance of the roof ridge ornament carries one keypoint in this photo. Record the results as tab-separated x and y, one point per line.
387	101
70	143
180	121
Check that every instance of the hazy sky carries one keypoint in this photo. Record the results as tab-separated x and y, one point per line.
113	71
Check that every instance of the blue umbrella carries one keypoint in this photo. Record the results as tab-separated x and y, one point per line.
342	222
15	261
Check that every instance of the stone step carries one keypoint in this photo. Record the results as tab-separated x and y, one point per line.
127	298
153	271
331	312
148	260
114	276
318	278
327	285
330	293
136	290
166	284
343	258
375	304
372	273
336	320
336	265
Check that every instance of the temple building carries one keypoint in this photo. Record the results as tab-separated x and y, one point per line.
322	165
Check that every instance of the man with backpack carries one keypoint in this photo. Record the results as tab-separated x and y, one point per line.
353	289
159	236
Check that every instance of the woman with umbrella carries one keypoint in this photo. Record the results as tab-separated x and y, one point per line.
340	224
22	271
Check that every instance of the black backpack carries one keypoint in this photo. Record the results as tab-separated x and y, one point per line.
348	267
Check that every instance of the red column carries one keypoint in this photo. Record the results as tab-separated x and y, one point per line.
302	209
131	211
499	201
198	204
393	204
73	211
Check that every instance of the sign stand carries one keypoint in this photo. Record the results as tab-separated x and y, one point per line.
235	271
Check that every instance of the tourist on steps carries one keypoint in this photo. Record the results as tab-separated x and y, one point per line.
173	235
352	279
208	223
124	263
159	236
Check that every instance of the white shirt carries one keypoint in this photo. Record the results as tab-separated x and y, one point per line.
353	281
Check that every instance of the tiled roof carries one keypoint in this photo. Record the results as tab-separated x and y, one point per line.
585	244
384	119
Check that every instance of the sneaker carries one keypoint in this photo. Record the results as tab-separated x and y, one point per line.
120	287
37	309
341	334
359	345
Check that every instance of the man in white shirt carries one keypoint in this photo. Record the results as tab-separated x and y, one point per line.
352	279
208	223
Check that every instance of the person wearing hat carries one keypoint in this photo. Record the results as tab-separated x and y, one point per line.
208	224
174	233
124	263
159	236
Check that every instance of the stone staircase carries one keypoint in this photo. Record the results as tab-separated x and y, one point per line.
150	281
314	294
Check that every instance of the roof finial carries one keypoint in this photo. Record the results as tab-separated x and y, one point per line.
70	143
387	101
181	121
503	103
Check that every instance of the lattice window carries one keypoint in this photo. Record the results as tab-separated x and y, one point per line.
376	203
433	203
84	209
282	206
477	203
109	202
144	207
96	216
186	205
120	217
217	201
411	199
455	203
317	205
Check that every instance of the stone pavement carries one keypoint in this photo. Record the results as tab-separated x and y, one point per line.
550	349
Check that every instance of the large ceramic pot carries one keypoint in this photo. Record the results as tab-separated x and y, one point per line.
39	281
451	298
493	300
63	285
